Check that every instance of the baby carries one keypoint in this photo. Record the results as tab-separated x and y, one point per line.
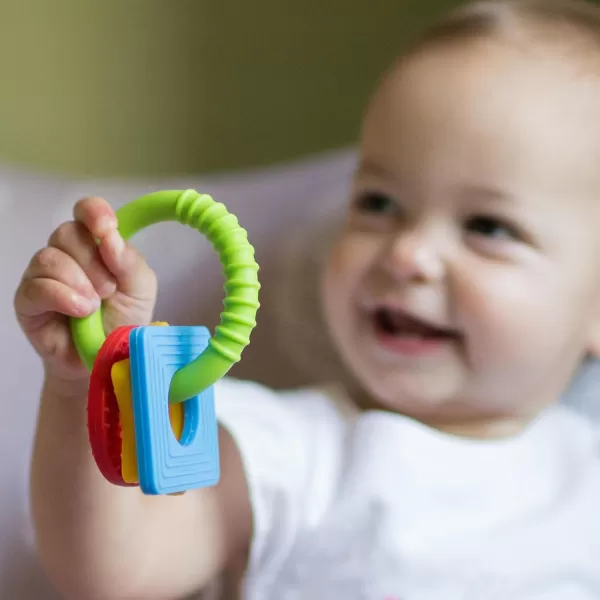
463	293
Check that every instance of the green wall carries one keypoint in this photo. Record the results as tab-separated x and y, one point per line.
136	87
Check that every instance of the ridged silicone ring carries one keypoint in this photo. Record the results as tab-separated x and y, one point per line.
240	269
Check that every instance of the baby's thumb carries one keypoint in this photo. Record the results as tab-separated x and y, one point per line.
133	275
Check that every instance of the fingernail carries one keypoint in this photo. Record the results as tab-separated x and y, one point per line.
85	288
107	288
117	242
92	297
105	224
85	306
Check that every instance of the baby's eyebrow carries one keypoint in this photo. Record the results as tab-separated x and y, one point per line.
465	191
374	169
485	192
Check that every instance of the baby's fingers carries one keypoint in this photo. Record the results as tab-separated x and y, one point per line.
52	263
41	295
74	240
96	215
134	276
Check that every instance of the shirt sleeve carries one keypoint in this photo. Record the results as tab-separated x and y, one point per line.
273	435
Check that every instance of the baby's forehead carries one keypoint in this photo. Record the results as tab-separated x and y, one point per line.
567	62
489	114
491	87
505	96
559	38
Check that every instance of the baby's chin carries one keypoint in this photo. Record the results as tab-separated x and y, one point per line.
405	386
413	396
438	407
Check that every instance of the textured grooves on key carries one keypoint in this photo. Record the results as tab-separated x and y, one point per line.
240	269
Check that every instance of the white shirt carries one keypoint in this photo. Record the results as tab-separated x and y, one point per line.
375	506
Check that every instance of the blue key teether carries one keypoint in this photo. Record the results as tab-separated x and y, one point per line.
166	465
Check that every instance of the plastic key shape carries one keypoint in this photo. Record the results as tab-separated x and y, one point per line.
165	465
104	425
121	380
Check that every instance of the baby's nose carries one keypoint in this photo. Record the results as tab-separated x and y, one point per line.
415	255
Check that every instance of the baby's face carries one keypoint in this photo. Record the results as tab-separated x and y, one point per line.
464	287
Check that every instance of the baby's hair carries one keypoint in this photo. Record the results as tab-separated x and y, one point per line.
577	20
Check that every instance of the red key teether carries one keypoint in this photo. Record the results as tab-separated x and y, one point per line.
104	426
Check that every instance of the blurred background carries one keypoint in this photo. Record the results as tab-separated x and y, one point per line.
150	87
257	102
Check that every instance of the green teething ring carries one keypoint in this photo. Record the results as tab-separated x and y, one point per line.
240	269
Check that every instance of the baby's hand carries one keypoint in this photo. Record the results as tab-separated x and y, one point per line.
70	278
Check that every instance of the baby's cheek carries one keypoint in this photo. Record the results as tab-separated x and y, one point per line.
495	314
354	255
333	290
341	282
518	328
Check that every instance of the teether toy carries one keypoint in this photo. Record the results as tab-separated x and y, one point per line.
151	416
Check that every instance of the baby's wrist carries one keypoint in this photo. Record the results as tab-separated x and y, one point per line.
58	386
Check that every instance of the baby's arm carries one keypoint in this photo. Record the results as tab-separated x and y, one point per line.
97	540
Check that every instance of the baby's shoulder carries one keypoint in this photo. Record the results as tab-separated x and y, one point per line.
291	441
301	420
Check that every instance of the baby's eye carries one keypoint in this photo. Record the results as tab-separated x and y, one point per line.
491	227
375	203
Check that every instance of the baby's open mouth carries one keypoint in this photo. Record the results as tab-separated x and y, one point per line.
397	323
